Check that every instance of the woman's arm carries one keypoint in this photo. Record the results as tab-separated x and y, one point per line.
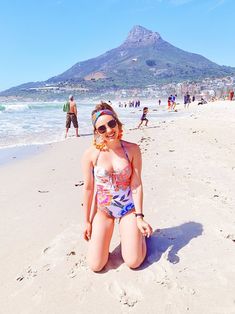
88	191
136	183
137	191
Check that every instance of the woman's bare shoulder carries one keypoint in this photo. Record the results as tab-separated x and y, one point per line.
132	149
90	153
131	146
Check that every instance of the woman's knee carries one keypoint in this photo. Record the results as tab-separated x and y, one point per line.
134	258
96	260
95	265
134	262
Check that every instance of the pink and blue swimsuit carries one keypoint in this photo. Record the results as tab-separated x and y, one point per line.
114	195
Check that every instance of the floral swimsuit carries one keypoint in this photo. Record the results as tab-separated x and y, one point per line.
113	189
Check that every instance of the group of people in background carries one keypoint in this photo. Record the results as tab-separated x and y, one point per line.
188	100
171	103
71	108
131	104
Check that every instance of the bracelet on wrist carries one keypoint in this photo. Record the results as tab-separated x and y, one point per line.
139	215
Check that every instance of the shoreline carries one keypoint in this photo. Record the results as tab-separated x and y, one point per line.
20	151
50	128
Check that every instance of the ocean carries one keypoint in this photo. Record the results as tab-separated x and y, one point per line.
41	123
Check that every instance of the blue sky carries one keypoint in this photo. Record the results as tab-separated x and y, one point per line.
40	39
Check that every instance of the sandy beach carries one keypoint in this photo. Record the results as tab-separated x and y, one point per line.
188	177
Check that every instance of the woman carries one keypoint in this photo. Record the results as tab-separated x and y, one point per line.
113	166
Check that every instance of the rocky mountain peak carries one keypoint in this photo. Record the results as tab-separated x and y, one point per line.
141	36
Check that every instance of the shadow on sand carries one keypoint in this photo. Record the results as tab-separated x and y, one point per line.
170	240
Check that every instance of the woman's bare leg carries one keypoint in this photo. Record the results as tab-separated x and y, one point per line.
133	243
98	250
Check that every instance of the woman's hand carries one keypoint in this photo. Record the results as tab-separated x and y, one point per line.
144	227
87	231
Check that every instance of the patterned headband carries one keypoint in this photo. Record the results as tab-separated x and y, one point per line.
97	114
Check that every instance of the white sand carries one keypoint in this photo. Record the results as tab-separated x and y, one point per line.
189	179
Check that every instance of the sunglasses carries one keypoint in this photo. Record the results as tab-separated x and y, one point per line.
111	124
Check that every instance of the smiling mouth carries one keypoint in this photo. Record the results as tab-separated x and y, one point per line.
111	135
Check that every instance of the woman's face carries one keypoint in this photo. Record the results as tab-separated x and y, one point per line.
107	127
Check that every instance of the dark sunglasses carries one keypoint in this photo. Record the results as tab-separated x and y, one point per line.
102	129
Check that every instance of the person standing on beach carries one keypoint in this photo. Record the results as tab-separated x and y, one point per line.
231	95
112	168
174	102
143	117
71	116
187	100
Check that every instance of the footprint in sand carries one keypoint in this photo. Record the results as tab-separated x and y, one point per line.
60	250
187	290
79	265
127	295
144	142
46	267
162	278
231	237
28	273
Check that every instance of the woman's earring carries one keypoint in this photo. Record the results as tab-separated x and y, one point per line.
120	134
98	142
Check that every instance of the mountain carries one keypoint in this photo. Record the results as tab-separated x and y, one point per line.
144	58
